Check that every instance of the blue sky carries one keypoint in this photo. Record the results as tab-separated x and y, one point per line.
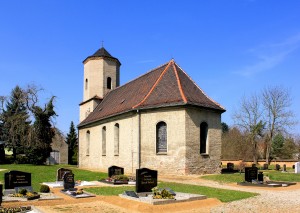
230	48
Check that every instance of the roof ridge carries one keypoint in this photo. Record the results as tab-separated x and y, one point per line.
140	76
156	82
179	83
200	88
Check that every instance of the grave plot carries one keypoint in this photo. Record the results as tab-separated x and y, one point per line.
59	180
252	178
148	192
18	188
116	177
69	184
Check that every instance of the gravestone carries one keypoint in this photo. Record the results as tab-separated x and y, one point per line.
297	167
60	173
230	166
68	179
260	177
277	167
115	170
146	179
1	189
14	179
266	166
284	168
250	173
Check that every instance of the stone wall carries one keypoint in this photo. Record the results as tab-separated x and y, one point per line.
183	147
197	163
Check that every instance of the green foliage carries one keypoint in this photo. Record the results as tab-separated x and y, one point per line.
23	191
40	146
225	127
226	178
277	145
120	177
161	193
44	189
72	142
15	122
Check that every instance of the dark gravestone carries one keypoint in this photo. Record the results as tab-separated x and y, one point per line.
277	167
146	179
284	168
1	189
68	179
17	179
266	166
115	170
230	166
260	177
60	173
251	173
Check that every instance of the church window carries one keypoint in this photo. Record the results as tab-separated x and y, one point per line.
117	139
203	137
161	137
86	83
108	83
88	143
104	141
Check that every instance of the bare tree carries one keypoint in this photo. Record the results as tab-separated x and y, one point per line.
249	119
278	116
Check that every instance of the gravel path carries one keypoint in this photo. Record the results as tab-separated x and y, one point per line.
279	199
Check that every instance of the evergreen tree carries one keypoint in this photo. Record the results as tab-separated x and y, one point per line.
71	140
15	122
42	133
277	145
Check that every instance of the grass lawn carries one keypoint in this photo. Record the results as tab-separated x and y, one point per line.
47	173
237	177
223	195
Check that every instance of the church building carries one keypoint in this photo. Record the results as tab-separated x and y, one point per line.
161	120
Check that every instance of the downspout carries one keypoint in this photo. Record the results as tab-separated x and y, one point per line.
139	138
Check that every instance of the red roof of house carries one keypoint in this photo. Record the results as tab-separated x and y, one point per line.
167	85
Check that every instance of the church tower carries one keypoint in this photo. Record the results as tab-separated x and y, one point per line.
101	74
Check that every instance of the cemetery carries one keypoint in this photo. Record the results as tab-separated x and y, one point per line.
18	190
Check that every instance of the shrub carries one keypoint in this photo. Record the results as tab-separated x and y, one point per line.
22	191
44	189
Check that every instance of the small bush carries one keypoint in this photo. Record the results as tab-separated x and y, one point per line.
44	189
22	191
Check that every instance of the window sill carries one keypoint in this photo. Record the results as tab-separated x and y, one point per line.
161	153
204	154
103	155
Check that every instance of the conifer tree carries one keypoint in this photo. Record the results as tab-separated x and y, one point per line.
71	140
15	122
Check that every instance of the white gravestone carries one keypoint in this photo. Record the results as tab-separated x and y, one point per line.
297	167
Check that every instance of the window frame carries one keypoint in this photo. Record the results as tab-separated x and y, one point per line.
159	150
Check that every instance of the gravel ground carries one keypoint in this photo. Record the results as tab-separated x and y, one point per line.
279	199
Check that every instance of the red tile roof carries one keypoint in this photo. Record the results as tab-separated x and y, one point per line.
167	85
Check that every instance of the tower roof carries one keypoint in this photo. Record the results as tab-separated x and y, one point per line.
167	85
102	53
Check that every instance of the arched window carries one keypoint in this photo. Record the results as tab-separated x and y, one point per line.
116	138
203	137
104	141
161	137
86	83
108	83
88	135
